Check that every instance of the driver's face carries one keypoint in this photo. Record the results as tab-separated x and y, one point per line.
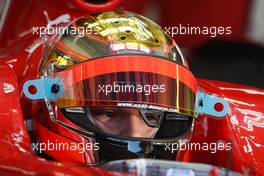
122	122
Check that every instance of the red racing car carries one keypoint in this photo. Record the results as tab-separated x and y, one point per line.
89	89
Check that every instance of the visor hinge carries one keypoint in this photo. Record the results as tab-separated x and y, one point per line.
211	105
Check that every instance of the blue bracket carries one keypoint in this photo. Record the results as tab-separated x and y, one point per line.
206	104
46	88
134	146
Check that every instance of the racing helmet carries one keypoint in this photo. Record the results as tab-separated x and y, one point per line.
127	90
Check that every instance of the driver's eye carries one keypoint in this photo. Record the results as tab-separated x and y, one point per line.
106	114
109	114
153	117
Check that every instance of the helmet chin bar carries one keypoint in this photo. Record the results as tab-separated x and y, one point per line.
117	148
131	147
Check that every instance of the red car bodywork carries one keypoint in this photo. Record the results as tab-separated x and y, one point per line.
20	53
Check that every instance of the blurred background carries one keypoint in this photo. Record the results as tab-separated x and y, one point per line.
234	54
